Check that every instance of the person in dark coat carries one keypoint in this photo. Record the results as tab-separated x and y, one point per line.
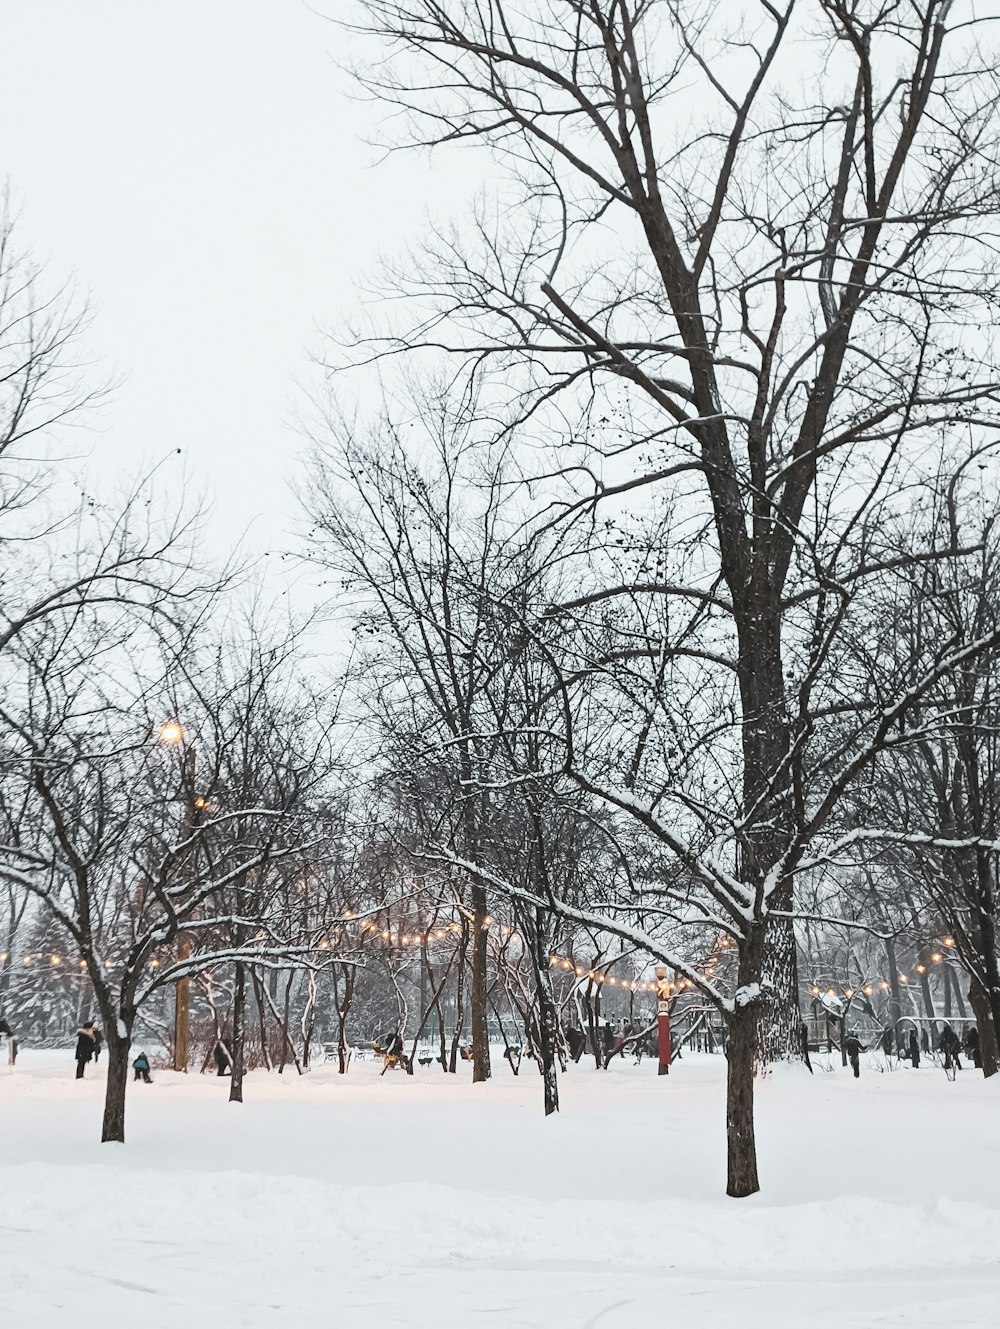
577	1042
223	1061
972	1044
852	1046
98	1039
951	1046
608	1041
141	1068
85	1041
5	1027
913	1046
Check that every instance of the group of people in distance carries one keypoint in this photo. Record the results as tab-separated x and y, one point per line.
90	1038
949	1044
612	1043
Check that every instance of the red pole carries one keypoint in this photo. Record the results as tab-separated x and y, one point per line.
663	1035
663	1021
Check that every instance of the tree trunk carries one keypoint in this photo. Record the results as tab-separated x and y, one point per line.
286	1037
479	995
987	938
258	992
113	1130
239	1034
459	997
343	1007
895	1012
767	795
987	1030
592	1010
548	1032
741	1142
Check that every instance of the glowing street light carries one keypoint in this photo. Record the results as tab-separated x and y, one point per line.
171	733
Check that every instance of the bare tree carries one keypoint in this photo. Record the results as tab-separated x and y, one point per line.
418	550
142	873
744	329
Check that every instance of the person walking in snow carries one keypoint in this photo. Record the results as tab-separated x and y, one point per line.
972	1047
223	1061
86	1040
608	1041
913	1047
951	1047
141	1068
98	1039
577	1041
852	1046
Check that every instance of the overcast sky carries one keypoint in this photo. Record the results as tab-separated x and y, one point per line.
200	168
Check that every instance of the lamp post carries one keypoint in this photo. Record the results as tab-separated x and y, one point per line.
172	734
663	1019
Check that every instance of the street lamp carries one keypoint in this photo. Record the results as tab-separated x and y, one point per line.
663	1019
171	733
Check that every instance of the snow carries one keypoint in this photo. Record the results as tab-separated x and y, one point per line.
431	1202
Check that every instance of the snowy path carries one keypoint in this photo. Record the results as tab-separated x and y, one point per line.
421	1202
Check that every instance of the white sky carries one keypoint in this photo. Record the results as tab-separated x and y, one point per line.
199	167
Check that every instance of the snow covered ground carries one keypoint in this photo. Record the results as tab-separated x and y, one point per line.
424	1202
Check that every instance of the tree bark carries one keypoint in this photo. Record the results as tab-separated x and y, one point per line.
740	1137
987	1030
768	958
479	995
343	1007
258	992
113	1129
548	1030
459	997
239	1034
